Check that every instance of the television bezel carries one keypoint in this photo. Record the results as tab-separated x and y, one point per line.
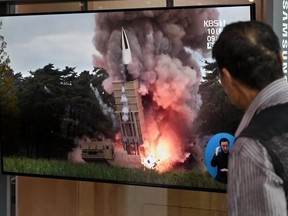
4	172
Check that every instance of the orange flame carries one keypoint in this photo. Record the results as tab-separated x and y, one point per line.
163	151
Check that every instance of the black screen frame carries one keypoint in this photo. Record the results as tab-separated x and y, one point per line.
5	172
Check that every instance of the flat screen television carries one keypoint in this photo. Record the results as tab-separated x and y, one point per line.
119	96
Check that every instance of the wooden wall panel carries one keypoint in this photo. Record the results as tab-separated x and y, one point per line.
86	198
48	7
92	5
157	210
55	197
110	199
47	197
96	5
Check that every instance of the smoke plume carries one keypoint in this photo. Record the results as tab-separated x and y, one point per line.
160	41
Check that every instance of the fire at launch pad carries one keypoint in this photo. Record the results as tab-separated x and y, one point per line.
150	138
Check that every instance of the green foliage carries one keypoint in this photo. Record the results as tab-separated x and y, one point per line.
56	106
217	114
7	93
8	98
42	114
9	110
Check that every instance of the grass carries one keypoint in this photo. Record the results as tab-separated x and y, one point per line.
104	172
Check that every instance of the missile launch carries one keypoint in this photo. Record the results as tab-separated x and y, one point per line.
126	60
126	55
126	52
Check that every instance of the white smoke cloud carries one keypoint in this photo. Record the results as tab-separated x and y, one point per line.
108	111
76	153
168	74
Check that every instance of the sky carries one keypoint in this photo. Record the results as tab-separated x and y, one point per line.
64	40
35	41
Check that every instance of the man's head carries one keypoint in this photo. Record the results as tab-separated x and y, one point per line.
224	144
249	54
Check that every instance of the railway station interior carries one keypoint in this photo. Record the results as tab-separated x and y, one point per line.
37	196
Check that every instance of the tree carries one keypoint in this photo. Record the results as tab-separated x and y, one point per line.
42	103
7	93
217	114
9	109
58	106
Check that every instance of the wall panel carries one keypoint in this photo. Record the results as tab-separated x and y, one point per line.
55	197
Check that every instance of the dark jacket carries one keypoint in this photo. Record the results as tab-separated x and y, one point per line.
221	161
270	128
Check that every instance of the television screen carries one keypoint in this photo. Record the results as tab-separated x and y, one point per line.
120	96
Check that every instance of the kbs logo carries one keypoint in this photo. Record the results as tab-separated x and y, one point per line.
214	23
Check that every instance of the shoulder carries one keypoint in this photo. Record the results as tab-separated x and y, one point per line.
268	123
250	151
252	180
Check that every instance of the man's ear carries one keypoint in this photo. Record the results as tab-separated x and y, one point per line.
226	78
281	58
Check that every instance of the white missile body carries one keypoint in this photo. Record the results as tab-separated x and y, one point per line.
126	52
126	60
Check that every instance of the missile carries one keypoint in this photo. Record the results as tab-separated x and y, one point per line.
126	52
126	60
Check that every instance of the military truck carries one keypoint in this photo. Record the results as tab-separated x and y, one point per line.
95	150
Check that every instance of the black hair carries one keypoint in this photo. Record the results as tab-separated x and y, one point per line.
223	140
250	51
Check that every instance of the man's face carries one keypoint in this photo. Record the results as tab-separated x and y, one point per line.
224	146
229	88
239	94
